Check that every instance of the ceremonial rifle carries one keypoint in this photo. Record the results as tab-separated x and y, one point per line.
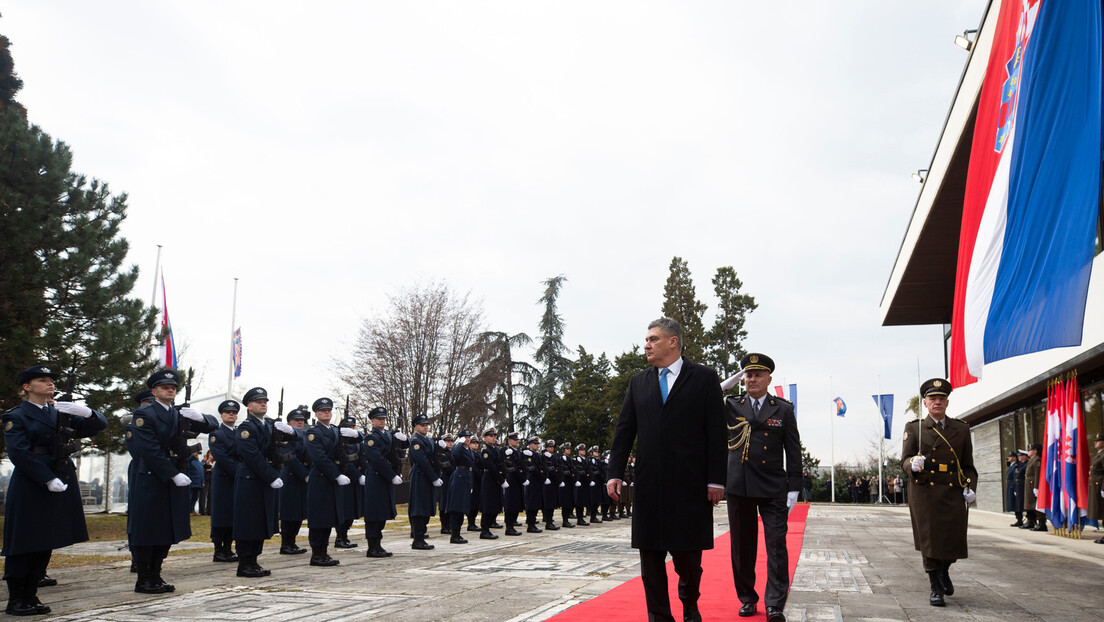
64	445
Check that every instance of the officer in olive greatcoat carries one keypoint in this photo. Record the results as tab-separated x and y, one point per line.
159	514
1036	521
222	443
939	461
458	499
42	509
380	480
325	501
1096	484
424	481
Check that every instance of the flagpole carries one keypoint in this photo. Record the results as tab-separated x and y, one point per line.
832	409
233	321
153	296
881	440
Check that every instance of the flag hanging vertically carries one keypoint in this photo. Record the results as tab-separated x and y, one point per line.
237	352
168	345
1050	470
1032	188
841	407
778	391
886	406
793	397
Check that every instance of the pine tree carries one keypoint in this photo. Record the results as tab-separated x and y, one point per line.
681	304
582	415
726	346
551	355
624	366
512	377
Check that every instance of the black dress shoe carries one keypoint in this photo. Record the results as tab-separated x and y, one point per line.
1016	524
1027	526
445	531
473	528
47	581
936	599
292	550
691	614
568	525
1098	541
534	529
513	532
582	522
487	535
344	544
252	571
551	527
747	610
323	560
457	540
774	614
421	545
1039	527
495	525
19	608
222	555
148	587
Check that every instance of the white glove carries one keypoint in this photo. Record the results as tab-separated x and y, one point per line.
592	483
277	483
561	484
400	436
437	483
525	483
917	464
285	428
547	454
606	461
505	485
190	413
74	409
578	484
548	481
343	480
442	444
509	451
56	485
396	480
791	500
1102	494
349	432
526	452
361	480
181	480
1035	491
733	381
969	495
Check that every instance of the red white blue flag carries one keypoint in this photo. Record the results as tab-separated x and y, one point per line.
841	407
237	353
1032	189
168	345
1064	486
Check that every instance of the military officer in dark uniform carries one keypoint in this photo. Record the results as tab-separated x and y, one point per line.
763	431
513	496
222	443
458	499
1096	486
594	490
551	499
159	512
1036	521
1011	474
605	501
325	502
442	456
42	509
380	482
1018	483
477	484
939	460
424	481
256	484
566	467
582	484
533	470
493	486
294	472
353	495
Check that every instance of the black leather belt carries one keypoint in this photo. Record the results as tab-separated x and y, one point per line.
463	468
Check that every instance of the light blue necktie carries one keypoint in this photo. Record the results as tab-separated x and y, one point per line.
663	383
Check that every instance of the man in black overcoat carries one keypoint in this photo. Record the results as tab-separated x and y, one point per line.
674	413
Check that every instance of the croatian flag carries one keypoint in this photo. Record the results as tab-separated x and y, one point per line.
841	407
1032	189
168	345
237	353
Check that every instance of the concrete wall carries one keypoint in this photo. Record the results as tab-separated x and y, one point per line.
988	462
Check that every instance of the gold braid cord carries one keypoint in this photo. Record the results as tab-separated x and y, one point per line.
742	431
958	471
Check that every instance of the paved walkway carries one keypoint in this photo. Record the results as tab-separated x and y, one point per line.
857	563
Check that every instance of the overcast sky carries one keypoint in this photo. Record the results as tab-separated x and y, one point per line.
329	154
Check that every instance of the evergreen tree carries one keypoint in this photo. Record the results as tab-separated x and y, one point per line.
808	462
726	346
680	303
582	415
511	377
624	366
65	288
551	355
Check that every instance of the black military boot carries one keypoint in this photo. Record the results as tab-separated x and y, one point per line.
455	531
248	567
532	526
1029	524
319	557
223	552
374	549
421	545
155	575
145	584
471	524
945	581
30	596
551	526
288	546
581	521
16	605
936	598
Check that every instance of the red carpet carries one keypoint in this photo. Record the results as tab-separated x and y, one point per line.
718	596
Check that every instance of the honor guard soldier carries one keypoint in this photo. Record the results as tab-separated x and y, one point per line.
1036	521
443	465
939	459
1096	486
255	502
159	513
493	485
42	510
325	501
293	496
424	481
764	431
533	469
477	484
583	482
551	485
594	490
513	495
223	443
566	466
380	480
603	474
458	499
